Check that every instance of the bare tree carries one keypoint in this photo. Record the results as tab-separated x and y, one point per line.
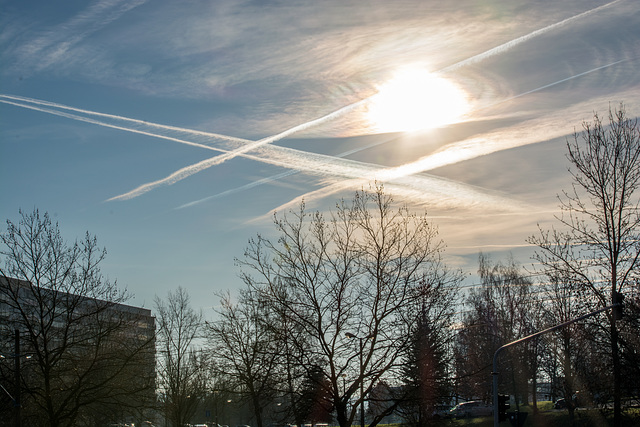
352	285
598	244
501	310
181	367
83	345
563	304
245	350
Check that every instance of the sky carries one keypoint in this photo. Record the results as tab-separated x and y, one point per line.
174	130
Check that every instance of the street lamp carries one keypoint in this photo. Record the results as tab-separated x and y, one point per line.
361	340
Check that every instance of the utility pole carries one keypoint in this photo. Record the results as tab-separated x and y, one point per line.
16	401
361	384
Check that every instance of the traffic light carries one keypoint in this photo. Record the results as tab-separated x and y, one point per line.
618	305
503	405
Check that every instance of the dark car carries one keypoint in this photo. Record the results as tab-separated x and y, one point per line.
560	404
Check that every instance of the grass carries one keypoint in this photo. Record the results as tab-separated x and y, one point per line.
546	417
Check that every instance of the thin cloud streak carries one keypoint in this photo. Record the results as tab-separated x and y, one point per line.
239	189
511	44
561	81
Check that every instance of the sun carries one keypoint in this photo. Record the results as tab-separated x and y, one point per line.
416	99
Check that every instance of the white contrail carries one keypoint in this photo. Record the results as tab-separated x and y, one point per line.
511	44
124	119
453	153
185	172
559	81
276	177
252	146
104	124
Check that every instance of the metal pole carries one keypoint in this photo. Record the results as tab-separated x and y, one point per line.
361	384
17	402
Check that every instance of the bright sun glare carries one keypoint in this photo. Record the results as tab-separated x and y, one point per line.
415	99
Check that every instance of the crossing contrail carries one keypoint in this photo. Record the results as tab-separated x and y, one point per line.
276	177
247	145
185	172
453	153
327	166
281	156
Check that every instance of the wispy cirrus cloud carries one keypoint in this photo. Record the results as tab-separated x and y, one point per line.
54	43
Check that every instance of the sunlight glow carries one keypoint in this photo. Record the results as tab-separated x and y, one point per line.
415	99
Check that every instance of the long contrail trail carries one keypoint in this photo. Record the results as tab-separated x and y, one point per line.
190	170
511	44
288	157
308	162
453	153
276	177
122	118
185	172
105	124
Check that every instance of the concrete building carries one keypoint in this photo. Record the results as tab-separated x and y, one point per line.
90	359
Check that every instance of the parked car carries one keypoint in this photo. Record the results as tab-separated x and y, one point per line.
474	408
560	404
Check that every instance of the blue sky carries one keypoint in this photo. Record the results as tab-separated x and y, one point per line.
173	130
